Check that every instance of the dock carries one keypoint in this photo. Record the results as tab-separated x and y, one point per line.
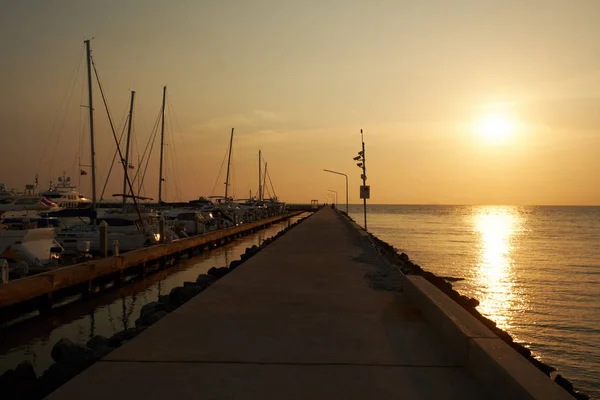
318	313
40	291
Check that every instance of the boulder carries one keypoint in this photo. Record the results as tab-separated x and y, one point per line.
150	319
151	308
163	298
218	272
564	383
98	342
54	377
180	295
204	279
234	264
123	336
73	355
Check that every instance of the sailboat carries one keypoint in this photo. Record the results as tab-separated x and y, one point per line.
131	233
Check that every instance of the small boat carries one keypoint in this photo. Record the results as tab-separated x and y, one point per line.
36	246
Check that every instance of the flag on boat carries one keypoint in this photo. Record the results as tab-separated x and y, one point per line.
82	172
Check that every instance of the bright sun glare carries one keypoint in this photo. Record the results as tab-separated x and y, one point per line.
495	128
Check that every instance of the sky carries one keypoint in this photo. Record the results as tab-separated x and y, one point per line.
461	102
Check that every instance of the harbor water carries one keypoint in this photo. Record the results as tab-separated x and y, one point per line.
535	271
114	310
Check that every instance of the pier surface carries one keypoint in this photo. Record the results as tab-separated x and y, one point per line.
298	320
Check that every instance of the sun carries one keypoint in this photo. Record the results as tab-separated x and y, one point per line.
495	128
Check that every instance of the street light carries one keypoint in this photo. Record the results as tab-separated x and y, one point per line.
339	173
364	190
334	191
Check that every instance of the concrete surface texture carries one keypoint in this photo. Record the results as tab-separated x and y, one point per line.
299	320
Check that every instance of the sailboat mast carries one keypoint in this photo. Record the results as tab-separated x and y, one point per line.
162	141
264	183
259	176
228	165
91	108
126	161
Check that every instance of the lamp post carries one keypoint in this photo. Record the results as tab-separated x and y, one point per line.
334	191
339	173
365	191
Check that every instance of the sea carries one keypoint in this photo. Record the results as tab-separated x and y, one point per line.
534	270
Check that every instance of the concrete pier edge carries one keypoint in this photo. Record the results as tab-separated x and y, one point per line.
508	374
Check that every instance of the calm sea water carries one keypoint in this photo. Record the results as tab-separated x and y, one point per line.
535	270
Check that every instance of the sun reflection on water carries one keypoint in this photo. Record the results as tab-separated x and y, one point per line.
496	228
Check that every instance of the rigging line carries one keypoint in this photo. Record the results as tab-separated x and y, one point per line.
114	158
73	78
117	143
272	187
220	170
149	144
175	163
181	135
152	142
64	116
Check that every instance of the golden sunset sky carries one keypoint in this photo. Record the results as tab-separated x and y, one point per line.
461	102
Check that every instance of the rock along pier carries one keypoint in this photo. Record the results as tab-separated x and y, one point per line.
318	313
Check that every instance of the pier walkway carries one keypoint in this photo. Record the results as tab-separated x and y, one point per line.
298	320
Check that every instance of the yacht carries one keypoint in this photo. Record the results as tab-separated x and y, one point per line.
65	194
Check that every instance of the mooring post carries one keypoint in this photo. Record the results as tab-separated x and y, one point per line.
115	248
5	271
196	224
161	230
103	232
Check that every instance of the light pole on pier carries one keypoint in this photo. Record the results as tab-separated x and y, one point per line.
334	191
365	191
339	173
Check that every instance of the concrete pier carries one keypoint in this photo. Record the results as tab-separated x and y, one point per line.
301	319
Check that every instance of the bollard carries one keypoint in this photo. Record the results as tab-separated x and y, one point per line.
103	232
4	266
196	224
161	230
115	248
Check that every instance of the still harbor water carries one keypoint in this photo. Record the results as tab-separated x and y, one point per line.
112	311
535	271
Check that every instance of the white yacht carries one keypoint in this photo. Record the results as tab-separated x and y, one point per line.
65	194
187	217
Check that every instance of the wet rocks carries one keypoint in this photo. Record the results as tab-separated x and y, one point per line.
218	272
121	337
150	319
74	355
151	308
54	377
18	383
98	342
234	264
204	279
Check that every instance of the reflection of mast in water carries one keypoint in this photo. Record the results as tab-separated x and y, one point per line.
128	313
93	323
159	288
227	256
